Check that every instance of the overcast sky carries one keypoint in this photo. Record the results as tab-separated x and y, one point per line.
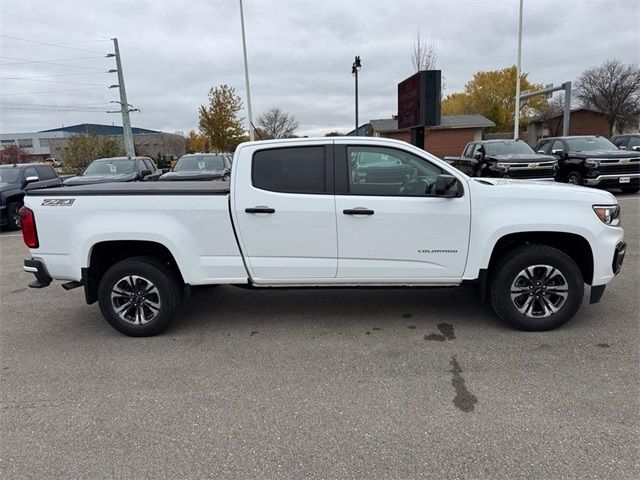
300	54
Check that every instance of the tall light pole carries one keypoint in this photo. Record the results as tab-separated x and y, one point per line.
516	120
246	74
355	68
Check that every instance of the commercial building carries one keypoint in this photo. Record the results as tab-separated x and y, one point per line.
53	143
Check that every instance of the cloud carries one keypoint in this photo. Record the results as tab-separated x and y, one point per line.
300	53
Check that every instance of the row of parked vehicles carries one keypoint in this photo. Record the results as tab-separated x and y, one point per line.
581	160
16	178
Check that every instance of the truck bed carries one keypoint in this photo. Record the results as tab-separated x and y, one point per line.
138	188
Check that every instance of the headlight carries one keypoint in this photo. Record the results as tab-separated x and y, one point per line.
593	162
609	214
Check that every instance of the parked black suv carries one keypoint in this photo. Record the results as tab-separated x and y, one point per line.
504	159
593	161
117	169
13	182
629	141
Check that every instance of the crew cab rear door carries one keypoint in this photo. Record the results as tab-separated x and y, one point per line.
392	228
284	211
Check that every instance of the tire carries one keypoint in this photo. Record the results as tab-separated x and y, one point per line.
145	315
13	214
541	306
574	178
630	189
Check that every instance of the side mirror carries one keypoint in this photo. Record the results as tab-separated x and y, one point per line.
541	152
31	179
477	155
636	148
622	147
447	186
557	151
144	173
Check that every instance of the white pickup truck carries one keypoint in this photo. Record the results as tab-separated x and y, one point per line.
326	212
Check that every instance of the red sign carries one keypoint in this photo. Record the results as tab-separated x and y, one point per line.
409	102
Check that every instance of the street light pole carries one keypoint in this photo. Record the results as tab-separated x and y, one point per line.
516	120
357	65
246	75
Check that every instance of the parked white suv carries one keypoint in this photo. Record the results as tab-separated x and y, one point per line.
313	212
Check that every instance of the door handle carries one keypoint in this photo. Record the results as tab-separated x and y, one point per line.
358	211
260	210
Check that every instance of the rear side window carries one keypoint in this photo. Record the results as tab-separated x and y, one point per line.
619	141
290	170
45	172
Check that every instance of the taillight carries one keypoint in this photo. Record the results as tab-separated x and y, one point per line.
28	226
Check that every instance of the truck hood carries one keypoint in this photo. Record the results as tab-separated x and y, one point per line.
9	186
521	158
606	154
531	189
89	179
193	175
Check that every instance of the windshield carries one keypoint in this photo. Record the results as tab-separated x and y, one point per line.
587	144
110	167
9	175
507	148
200	163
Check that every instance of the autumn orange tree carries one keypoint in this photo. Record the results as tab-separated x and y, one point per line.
219	121
492	94
196	142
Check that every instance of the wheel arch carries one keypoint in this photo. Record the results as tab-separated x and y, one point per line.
104	254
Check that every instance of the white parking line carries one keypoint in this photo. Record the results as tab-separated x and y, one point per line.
11	235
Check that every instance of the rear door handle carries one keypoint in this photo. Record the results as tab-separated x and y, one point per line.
260	210
358	211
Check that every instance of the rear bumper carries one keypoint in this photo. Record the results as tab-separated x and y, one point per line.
35	266
613	180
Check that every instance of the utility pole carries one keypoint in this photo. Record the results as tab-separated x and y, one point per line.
124	106
355	68
246	75
516	120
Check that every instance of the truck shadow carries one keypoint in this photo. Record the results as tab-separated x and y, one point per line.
227	308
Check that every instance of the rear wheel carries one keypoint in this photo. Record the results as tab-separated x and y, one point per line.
536	287
138	296
13	212
574	178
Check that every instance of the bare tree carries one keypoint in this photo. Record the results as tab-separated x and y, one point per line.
275	123
425	53
551	113
612	88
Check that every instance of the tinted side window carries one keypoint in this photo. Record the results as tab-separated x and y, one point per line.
619	141
45	172
30	172
387	171
468	152
543	146
557	145
633	142
290	170
149	165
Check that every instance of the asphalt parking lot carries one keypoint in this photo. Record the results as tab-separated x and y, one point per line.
293	384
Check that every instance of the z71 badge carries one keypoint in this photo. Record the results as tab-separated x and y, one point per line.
58	202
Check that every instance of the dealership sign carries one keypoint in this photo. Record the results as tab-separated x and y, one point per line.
419	100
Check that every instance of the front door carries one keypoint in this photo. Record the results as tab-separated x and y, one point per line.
392	228
286	215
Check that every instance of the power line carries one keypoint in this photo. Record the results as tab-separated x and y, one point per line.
54	25
51	91
54	75
49	44
62	81
51	62
57	45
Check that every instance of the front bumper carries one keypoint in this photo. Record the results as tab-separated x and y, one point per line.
35	266
613	180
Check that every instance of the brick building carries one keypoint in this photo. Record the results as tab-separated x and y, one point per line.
448	138
582	121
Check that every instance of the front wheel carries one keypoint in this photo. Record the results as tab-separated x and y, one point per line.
536	287
138	296
574	178
13	212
